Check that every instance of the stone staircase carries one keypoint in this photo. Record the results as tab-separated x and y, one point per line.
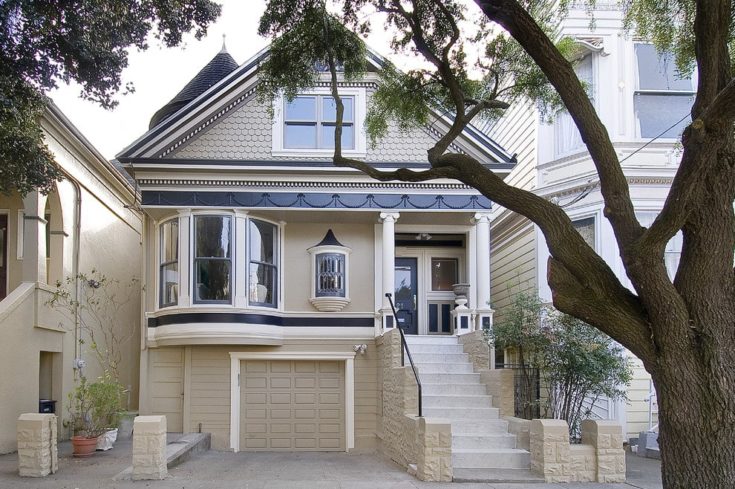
482	448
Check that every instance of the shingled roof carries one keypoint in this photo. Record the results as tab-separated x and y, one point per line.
219	67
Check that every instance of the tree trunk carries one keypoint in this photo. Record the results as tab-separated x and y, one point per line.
696	398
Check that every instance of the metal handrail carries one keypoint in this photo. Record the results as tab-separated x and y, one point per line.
405	350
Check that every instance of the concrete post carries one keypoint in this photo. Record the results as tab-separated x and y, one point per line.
149	448
434	461
38	455
607	439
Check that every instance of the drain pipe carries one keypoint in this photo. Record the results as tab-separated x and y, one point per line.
75	272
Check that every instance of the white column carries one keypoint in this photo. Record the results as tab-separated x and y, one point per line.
34	238
240	268
482	247
389	260
184	258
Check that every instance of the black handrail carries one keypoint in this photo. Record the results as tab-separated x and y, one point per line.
405	350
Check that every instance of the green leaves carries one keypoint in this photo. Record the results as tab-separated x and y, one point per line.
43	43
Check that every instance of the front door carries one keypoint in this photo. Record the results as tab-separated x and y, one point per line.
4	257
406	294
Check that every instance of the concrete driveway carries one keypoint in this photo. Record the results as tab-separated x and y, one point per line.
222	470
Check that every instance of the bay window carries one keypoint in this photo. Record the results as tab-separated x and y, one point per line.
169	259
212	259
263	266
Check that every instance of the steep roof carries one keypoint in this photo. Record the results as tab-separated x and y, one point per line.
218	68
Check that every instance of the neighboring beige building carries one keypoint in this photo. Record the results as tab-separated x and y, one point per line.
86	222
638	98
267	266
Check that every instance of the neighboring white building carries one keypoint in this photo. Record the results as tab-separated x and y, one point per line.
638	97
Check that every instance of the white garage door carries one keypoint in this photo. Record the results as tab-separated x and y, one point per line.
292	405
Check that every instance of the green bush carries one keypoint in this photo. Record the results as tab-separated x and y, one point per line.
95	407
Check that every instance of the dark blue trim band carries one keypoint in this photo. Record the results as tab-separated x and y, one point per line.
280	200
264	319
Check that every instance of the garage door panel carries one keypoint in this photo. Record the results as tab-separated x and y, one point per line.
283	405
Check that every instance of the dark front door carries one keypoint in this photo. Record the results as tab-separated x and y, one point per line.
4	257
406	294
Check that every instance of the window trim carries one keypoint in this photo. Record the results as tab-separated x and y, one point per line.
593	96
162	264
359	111
193	258
276	264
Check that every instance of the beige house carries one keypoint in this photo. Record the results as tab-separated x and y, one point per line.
86	222
267	267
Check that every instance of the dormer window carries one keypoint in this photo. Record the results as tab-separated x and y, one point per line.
330	266
310	120
305	125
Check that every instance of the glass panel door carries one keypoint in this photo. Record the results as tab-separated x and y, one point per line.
406	294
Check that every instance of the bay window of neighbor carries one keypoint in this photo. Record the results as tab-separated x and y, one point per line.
263	269
169	259
310	121
212	259
663	96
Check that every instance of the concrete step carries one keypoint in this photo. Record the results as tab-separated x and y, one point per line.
437	357
459	413
499	440
182	449
447	378
497	476
445	368
457	401
454	389
428	348
486	458
465	426
431	340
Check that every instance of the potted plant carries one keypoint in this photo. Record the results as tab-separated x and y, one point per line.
94	409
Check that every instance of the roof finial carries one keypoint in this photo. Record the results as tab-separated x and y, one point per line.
224	48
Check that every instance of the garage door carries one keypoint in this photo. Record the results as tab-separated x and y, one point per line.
291	405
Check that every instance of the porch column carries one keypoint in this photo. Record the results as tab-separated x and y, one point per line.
184	261
389	260
34	238
483	313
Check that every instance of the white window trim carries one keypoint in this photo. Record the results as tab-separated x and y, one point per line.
236	359
158	244
192	258
360	111
278	306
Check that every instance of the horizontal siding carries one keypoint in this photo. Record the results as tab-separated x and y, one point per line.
637	406
516	133
513	264
166	383
209	395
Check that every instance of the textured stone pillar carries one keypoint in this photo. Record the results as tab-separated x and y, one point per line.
550	455
149	448
389	262
607	439
434	461
37	451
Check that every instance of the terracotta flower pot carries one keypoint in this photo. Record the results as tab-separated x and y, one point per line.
83	446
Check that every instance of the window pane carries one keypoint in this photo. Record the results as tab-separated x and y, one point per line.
169	284
301	109
262	284
348	137
262	241
212	235
658	72
656	113
443	273
586	227
169	241
329	109
300	136
212	280
330	279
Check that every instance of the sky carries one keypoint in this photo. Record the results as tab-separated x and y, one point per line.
159	73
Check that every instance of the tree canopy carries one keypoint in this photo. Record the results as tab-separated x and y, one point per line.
44	43
683	330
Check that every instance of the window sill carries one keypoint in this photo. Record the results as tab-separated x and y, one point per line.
329	304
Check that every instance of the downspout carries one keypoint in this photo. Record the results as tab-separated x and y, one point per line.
75	270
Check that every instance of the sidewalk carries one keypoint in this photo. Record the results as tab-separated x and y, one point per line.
262	470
